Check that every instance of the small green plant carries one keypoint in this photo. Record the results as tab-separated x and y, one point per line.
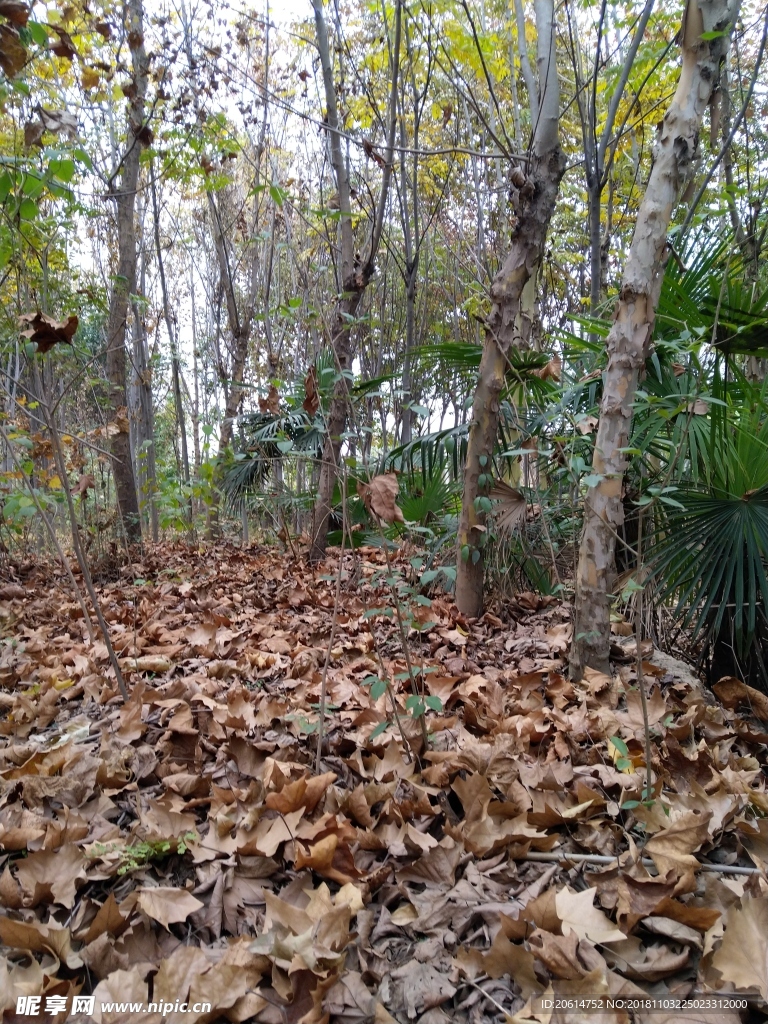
143	852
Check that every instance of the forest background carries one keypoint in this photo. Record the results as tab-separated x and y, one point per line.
372	376
249	267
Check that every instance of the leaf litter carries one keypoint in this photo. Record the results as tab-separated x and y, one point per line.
181	846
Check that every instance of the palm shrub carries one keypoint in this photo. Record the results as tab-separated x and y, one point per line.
710	553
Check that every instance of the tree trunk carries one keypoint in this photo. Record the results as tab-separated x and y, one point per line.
355	273
143	414
125	281
343	347
629	341
170	326
502	331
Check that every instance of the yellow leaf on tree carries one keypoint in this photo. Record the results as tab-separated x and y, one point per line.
90	78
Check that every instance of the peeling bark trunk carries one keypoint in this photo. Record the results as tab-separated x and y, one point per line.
629	341
502	331
125	282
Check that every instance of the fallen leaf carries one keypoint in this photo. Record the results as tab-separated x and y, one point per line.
578	914
742	959
167	905
673	847
732	692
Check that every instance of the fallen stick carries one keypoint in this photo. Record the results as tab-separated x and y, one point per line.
599	858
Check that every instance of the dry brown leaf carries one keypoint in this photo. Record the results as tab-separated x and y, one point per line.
15	11
271	404
732	692
13	54
52	875
578	914
742	959
552	371
311	396
380	497
46	332
123	986
167	905
673	847
510	507
39	938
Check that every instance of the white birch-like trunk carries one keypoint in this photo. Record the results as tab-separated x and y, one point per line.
629	341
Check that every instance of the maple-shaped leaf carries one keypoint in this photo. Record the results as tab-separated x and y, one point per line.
47	332
742	959
379	497
673	848
311	401
271	404
578	913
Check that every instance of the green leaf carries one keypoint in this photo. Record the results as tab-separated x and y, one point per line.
434	702
6	184
32	186
82	157
593	479
38	33
28	209
415	705
620	745
380	728
64	170
279	195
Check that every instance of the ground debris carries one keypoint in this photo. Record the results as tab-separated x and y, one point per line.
182	847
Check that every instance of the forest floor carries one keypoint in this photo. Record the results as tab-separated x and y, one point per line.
183	847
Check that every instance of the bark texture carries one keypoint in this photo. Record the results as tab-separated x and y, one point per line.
125	281
502	332
170	326
355	273
629	341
